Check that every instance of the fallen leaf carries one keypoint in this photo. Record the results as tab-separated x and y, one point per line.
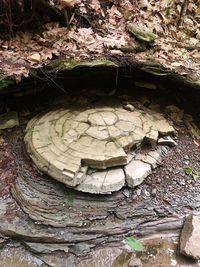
35	57
66	3
135	244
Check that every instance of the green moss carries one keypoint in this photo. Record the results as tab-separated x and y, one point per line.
156	69
4	83
141	35
71	64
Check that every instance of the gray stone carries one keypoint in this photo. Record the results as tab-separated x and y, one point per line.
157	155
130	156
175	113
46	247
153	192
129	107
103	182
9	120
126	192
136	171
59	259
190	237
102	257
67	143
151	158
167	140
135	262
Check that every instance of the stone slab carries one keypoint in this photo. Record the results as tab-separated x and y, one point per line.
103	182
136	171
66	143
9	120
166	140
190	237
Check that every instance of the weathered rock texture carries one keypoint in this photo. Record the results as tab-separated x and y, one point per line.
190	237
65	143
55	217
67	208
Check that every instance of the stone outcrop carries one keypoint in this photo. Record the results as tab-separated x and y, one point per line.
80	147
190	237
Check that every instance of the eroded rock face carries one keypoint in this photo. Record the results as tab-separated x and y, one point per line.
66	144
190	236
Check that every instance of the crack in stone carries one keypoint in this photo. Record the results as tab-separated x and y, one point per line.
69	142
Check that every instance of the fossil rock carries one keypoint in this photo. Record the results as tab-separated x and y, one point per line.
66	143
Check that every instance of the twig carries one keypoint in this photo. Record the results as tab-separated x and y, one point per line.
183	12
52	80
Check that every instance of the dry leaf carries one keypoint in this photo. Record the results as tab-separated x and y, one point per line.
66	3
35	57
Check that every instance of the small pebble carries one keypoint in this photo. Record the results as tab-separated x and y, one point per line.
146	193
138	192
135	262
126	193
129	107
153	192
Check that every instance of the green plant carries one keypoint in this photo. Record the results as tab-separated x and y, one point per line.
4	83
134	244
193	172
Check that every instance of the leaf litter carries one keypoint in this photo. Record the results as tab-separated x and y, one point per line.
176	47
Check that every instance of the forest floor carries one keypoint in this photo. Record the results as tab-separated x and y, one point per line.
101	29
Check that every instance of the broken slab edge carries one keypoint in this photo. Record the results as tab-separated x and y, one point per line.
190	236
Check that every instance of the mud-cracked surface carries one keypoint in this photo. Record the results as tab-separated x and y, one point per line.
67	143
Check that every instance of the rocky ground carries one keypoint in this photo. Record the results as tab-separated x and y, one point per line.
158	205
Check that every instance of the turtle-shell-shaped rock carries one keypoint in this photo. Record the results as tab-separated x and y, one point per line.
64	143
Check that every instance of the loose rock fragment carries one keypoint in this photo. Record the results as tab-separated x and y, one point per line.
167	140
190	237
140	34
46	247
9	120
135	262
175	113
136	171
103	182
152	158
129	107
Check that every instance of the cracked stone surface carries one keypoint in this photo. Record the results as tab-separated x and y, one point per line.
68	143
136	171
103	181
